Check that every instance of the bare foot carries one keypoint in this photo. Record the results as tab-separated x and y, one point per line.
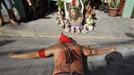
13	22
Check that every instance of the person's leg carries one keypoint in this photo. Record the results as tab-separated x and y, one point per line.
11	16
1	17
10	11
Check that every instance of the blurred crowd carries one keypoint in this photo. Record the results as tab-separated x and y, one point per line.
22	10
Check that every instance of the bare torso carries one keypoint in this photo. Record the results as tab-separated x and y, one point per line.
67	57
60	64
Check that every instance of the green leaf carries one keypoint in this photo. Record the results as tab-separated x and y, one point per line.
113	3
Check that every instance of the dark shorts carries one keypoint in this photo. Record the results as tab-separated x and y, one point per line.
67	73
6	3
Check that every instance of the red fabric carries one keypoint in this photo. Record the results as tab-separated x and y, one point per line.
41	53
64	39
73	2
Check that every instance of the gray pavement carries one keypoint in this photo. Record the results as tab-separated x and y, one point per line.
106	27
109	31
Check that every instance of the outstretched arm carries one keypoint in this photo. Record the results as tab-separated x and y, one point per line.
87	51
41	53
29	55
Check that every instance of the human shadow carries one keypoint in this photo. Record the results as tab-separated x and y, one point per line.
5	42
87	71
117	43
130	35
3	53
38	10
116	65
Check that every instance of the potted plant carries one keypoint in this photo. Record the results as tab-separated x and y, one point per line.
113	7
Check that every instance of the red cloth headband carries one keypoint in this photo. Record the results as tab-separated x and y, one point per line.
64	39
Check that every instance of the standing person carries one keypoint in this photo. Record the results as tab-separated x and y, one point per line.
8	6
67	55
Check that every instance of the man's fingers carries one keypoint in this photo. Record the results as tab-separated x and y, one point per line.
11	55
112	49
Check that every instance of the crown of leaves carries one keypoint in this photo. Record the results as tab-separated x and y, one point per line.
74	7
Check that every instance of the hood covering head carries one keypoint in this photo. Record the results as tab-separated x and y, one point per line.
65	39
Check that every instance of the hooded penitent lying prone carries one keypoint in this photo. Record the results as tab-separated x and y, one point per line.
68	55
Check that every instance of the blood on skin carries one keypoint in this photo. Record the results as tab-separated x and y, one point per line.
62	58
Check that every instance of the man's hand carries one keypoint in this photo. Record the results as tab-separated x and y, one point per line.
12	55
112	49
